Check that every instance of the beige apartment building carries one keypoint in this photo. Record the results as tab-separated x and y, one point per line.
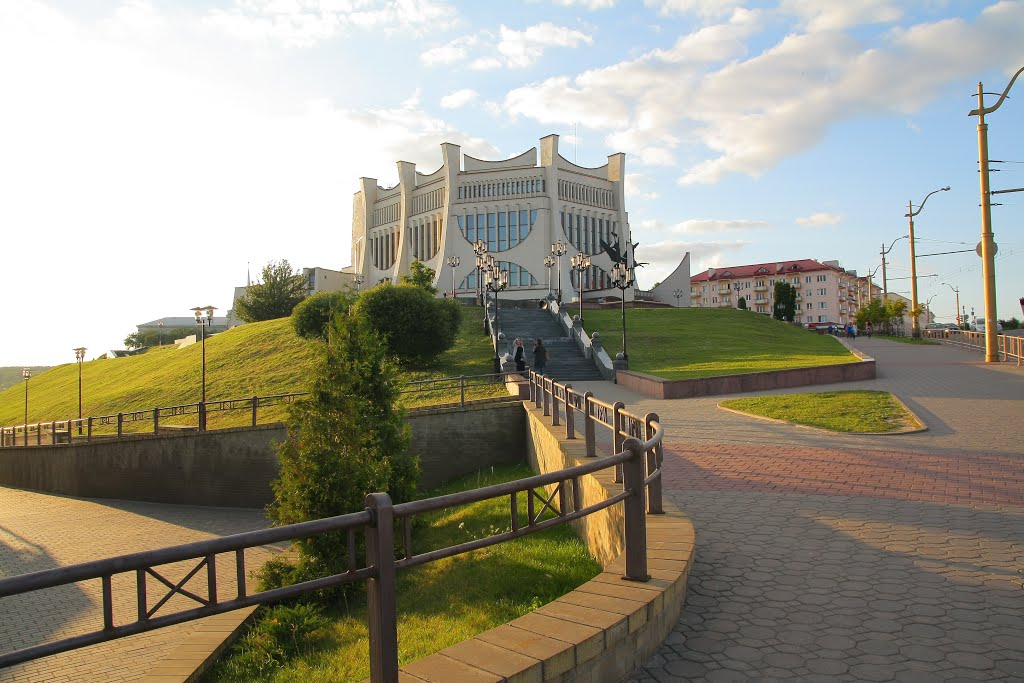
826	293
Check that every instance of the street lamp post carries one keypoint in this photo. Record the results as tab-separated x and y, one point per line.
203	323
25	375
160	325
956	290
988	244
549	263
558	250
622	279
480	249
497	280
580	263
677	294
913	260
885	284
79	356
453	263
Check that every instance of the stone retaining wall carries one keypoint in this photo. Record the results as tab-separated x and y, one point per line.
234	467
659	388
604	629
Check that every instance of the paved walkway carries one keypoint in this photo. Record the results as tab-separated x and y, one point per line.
39	531
826	557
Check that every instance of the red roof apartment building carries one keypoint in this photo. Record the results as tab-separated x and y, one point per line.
825	292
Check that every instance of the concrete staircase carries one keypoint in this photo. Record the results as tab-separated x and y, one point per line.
566	362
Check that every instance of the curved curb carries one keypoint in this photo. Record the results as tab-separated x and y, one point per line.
895	432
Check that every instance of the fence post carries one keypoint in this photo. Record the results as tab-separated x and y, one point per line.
255	405
617	437
570	417
530	376
53	432
202	416
554	406
120	424
462	391
156	421
39	434
633	512
538	390
544	391
588	426
654	460
380	590
88	428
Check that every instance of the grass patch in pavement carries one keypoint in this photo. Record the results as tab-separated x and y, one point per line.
839	411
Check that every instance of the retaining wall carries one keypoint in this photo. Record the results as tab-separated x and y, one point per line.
234	467
656	387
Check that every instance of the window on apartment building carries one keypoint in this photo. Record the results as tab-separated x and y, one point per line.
822	318
823	292
809	306
760	283
822	304
821	278
806	279
714	299
808	293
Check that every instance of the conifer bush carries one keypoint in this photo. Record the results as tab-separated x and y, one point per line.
416	326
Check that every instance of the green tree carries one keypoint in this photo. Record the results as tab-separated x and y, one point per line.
275	297
416	326
312	318
419	276
742	303
138	340
785	301
346	439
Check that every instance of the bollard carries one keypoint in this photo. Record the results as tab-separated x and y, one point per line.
380	590
634	522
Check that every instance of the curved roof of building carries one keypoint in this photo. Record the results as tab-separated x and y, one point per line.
767	269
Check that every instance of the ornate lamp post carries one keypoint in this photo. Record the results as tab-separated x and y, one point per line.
480	249
988	244
677	294
453	263
956	290
203	323
25	375
913	260
160	324
580	263
558	250
497	280
549	263
622	279
80	356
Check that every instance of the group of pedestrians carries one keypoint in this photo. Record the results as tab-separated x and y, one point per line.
540	355
849	330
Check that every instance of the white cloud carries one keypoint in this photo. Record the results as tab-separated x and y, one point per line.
486	64
298	24
701	226
838	16
458	99
704	8
521	49
820	218
635	187
589	4
663	256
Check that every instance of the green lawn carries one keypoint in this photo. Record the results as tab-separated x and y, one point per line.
839	411
444	602
259	359
687	343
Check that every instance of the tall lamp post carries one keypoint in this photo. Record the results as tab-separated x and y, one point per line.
549	263
988	244
160	325
558	250
497	280
956	290
25	375
677	294
480	249
885	284
913	259
80	356
203	323
622	279
453	263
580	263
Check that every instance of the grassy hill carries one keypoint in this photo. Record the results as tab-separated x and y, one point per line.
259	359
9	376
687	343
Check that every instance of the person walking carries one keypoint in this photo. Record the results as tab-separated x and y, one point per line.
520	355
867	328
540	356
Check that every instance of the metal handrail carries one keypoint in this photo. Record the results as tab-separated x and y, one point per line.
641	475
10	436
1007	346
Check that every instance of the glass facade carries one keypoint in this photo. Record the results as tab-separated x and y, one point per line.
500	230
517	276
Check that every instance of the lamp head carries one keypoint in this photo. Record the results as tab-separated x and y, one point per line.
25	374
946	188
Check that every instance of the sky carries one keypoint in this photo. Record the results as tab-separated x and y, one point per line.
152	153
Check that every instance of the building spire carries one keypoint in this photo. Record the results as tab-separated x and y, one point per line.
248	282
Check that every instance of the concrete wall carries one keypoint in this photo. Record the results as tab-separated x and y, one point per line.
234	467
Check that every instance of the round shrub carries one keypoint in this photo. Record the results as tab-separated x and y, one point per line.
312	317
416	326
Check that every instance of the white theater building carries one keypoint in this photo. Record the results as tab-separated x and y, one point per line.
518	207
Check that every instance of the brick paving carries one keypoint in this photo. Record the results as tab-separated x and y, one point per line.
40	531
843	558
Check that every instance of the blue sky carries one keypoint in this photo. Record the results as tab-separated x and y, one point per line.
152	149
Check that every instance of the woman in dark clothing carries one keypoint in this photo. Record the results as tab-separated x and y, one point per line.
540	356
520	356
